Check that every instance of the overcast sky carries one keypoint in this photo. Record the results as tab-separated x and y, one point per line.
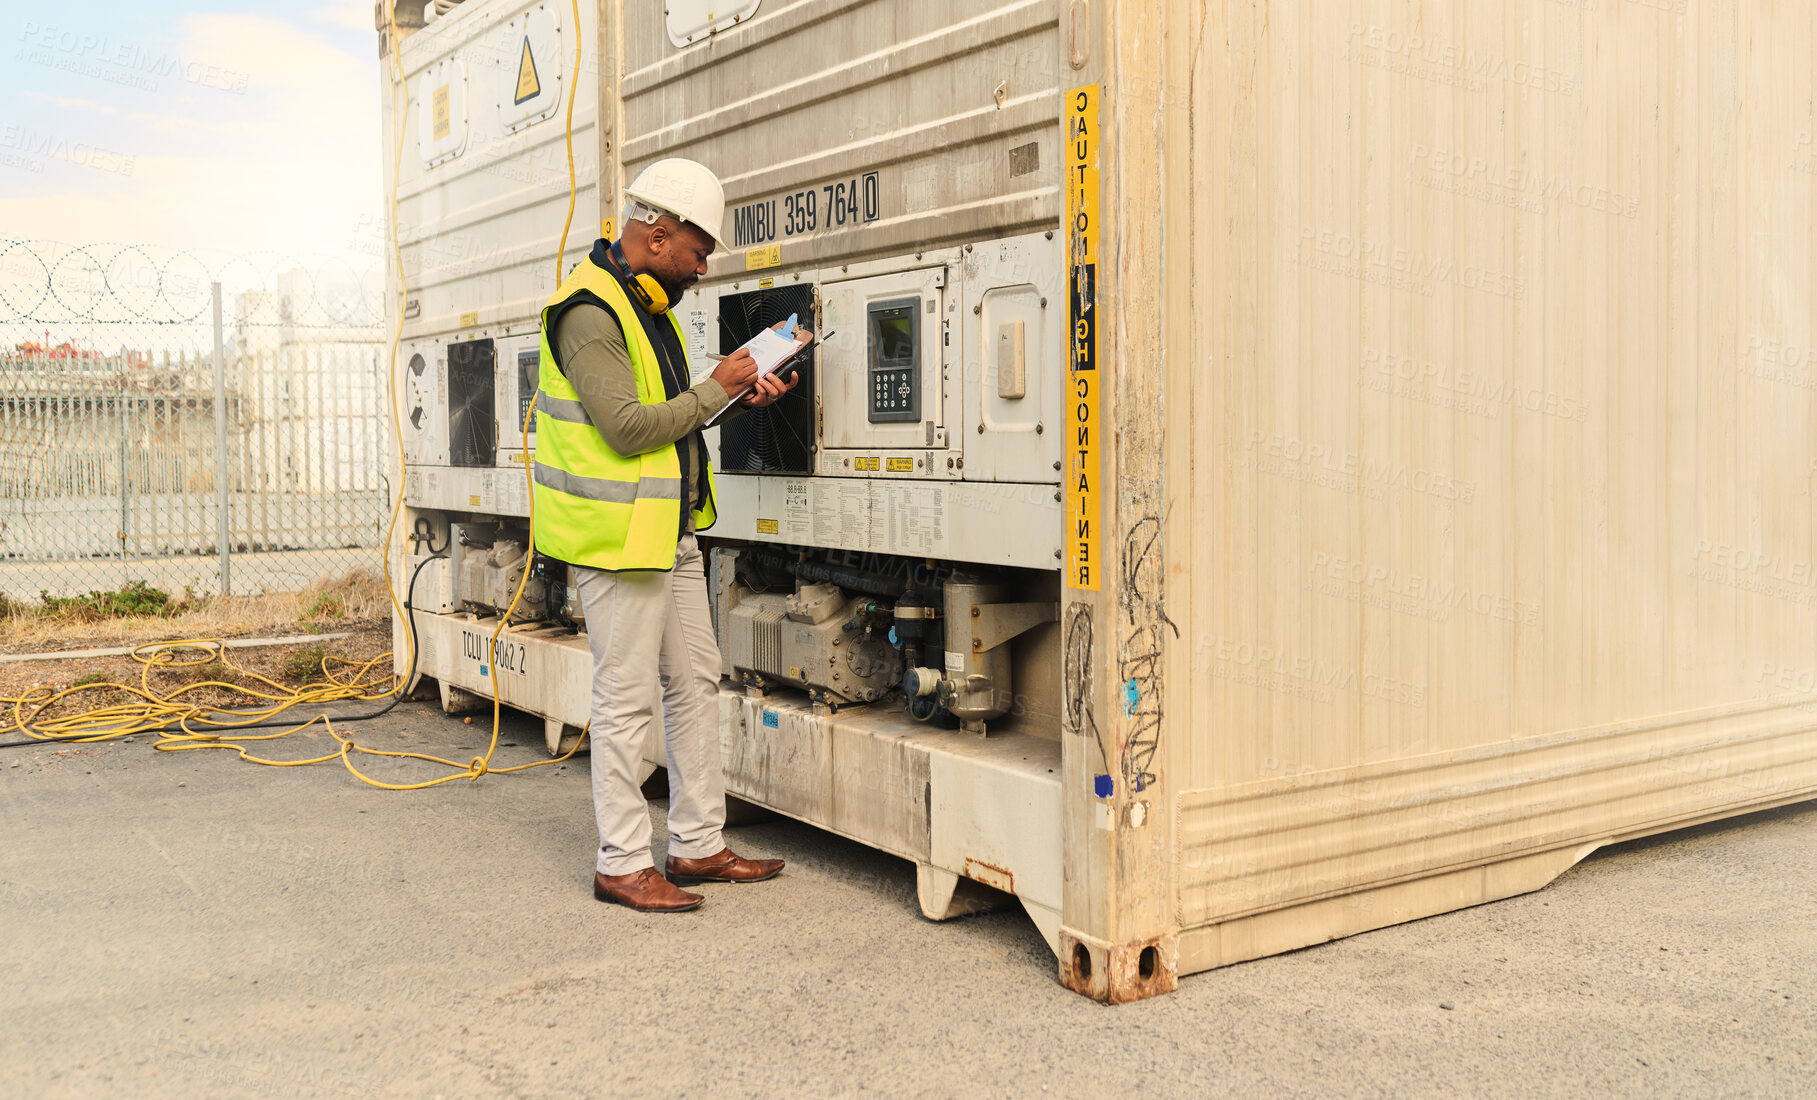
227	127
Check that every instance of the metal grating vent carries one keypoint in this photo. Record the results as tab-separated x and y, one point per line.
472	417
766	638
779	439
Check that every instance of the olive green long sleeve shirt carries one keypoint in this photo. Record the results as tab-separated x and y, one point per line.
590	347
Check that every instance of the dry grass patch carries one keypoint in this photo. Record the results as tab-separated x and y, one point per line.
135	614
357	597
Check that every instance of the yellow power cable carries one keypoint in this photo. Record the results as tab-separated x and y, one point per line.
561	250
155	711
402	114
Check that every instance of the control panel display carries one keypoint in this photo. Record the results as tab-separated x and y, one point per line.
894	352
528	362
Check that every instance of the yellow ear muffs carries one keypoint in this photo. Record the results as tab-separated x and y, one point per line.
645	290
650	294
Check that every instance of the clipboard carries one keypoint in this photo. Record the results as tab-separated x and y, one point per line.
786	358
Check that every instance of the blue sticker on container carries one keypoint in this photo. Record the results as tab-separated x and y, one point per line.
772	720
1131	697
1102	786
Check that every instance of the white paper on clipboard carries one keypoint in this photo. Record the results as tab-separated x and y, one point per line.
769	348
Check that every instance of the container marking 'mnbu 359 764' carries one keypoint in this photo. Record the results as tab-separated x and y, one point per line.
506	654
839	205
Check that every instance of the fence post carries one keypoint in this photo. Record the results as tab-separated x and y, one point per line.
222	527
124	384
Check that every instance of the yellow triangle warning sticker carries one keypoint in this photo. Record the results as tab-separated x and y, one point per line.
528	87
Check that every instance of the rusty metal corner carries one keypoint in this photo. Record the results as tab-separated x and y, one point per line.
1119	973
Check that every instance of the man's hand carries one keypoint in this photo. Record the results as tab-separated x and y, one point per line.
768	389
735	371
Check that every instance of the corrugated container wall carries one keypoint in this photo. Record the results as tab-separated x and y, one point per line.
830	90
1475	343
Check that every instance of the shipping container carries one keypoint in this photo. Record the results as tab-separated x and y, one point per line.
1277	470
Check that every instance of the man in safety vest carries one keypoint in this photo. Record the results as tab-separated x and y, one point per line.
622	484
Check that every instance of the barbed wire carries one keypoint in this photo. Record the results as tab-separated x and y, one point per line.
61	284
110	424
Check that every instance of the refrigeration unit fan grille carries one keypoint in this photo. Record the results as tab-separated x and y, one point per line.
778	439
413	384
472	416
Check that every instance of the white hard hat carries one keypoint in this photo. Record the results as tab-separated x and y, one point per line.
687	189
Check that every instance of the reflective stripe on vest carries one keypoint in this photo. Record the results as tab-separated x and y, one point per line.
613	492
593	506
572	412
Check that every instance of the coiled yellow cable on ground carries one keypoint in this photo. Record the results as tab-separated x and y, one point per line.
35	713
154	711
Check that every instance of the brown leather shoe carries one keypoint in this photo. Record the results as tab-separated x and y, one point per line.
727	866
645	890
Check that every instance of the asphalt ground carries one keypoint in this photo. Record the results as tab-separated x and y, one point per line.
186	925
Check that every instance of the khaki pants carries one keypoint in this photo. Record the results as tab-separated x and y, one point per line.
640	625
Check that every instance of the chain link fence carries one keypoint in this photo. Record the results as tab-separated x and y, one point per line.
131	450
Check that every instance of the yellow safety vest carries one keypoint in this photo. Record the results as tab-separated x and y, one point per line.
595	507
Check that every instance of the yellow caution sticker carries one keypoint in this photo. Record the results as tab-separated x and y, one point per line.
1083	425
767	527
470	318
605	229
473	500
901	465
765	284
439	109
756	259
866	462
528	87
